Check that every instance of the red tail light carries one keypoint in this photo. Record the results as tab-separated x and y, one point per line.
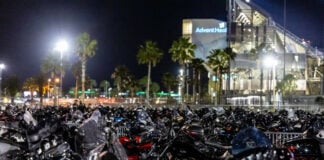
124	139
138	139
132	157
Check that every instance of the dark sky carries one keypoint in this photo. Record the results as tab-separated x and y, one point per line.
29	30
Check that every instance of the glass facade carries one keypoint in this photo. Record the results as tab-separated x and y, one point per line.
253	36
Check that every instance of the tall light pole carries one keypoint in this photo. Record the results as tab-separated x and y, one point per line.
48	87
284	40
56	102
2	66
180	86
61	46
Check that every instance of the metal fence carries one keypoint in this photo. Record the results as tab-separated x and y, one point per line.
122	131
279	138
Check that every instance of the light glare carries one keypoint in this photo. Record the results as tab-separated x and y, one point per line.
61	46
2	66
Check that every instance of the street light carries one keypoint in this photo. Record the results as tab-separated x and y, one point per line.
2	66
180	85
61	46
56	102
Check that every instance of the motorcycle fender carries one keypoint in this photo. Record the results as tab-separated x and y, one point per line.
145	146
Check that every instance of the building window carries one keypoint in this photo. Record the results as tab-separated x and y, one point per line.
186	27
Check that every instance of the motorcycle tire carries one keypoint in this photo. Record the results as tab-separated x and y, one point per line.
109	156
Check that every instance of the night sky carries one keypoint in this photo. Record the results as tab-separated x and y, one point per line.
29	30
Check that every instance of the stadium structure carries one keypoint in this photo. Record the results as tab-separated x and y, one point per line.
255	37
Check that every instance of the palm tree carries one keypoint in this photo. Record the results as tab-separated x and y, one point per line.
86	48
76	71
132	84
155	88
31	85
218	60
51	65
231	56
91	83
41	83
287	86
105	85
149	54
12	86
120	75
169	81
197	68
142	83
183	51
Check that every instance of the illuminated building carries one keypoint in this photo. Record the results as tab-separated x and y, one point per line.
253	35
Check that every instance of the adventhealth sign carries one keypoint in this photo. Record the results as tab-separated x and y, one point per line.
210	30
220	29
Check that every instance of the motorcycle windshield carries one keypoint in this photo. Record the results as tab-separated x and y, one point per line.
143	117
249	139
29	119
91	129
117	148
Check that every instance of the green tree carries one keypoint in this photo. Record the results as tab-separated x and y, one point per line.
183	51
169	81
41	83
155	88
31	85
12	86
51	64
91	84
149	54
142	83
287	86
197	68
86	48
218	60
120	77
105	84
132	84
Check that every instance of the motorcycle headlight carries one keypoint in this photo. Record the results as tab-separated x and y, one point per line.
106	129
30	158
94	156
47	146
39	151
54	142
